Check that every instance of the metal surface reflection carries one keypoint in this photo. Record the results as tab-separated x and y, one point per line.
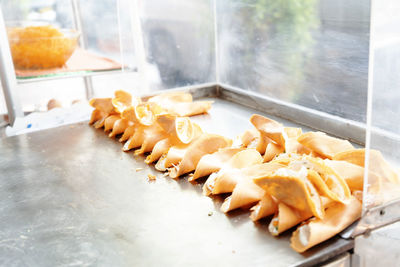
70	196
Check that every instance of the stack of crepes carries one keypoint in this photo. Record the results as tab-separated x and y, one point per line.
308	179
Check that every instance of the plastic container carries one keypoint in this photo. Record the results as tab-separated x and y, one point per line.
41	47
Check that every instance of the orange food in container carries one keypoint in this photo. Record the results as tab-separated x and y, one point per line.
41	47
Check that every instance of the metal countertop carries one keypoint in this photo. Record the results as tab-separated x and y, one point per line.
71	197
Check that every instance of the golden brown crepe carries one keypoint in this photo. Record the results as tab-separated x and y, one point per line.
324	145
143	113
145	137
246	192
377	164
314	231
286	217
174	155
291	143
152	135
220	182
109	122
249	137
180	129
324	178
171	152
129	131
159	149
293	132
181	104
123	100
119	127
270	128
272	151
265	207
97	115
293	188
100	123
225	179
205	144
171	97
354	175
189	109
286	158
103	104
254	139
214	162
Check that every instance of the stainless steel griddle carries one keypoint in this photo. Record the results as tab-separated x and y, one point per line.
71	197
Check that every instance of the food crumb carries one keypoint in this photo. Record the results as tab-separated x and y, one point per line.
151	177
210	213
138	169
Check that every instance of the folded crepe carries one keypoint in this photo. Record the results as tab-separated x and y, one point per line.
189	109
324	145
248	137
272	150
181	132
220	182
293	132
123	100
142	113
173	156
325	179
214	162
97	115
265	207
100	123
224	181
205	144
269	128
293	188
147	135
286	158
181	104
128	132
109	122
159	149
103	104
246	192
377	164
287	217
104	107
119	127
171	97
152	135
354	175
291	143
254	139
169	130
314	231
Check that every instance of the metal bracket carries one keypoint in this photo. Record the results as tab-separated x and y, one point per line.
377	217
